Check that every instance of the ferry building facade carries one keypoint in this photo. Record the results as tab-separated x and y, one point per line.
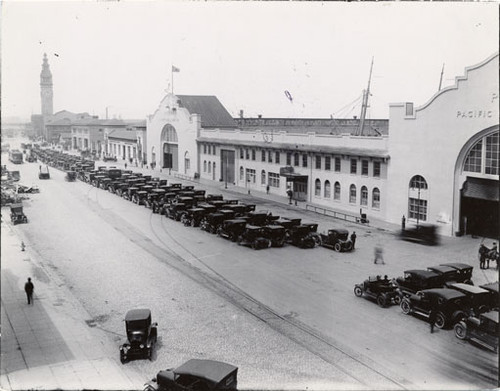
437	163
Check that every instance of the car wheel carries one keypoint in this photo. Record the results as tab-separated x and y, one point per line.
461	330
358	291
405	307
440	320
382	300
337	247
317	240
397	299
219	232
123	358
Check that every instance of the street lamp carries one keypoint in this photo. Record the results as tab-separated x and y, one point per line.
418	203
225	169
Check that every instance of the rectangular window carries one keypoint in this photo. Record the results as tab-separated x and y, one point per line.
253	154
288	158
473	160
409	108
263	155
277	157
296	159
274	179
376	169
364	167
241	153
214	150
337	164
318	162
304	160
328	163
204	148
263	177
354	166
418	208
270	157
250	175
247	154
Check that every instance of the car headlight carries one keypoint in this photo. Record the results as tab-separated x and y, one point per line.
141	346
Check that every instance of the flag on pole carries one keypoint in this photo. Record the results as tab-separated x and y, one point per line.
175	69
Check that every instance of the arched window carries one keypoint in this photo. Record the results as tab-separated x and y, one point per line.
483	156
376	198
418	182
242	173
213	168
352	194
317	188
327	189
263	177
168	134
417	198
336	191
209	167
364	196
205	166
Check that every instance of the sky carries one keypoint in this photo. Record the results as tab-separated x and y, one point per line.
277	59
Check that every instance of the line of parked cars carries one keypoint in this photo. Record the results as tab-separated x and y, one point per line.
445	293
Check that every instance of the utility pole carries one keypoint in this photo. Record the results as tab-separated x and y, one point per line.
441	78
364	106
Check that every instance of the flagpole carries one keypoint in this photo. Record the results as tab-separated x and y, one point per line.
172	73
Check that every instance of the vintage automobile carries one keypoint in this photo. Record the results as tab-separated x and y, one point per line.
258	218
336	239
288	223
21	189
109	158
382	290
448	274
254	237
214	197
275	233
300	236
155	200
417	280
313	232
193	216
449	305
494	298
44	173
141	335
139	197
231	229
238	209
211	222
128	193
424	234
196	375
104	183
478	299
207	207
482	330
17	215
175	211
70	176
463	272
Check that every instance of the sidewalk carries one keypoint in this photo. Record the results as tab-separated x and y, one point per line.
48	345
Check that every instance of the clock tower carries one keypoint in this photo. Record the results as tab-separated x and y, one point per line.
46	88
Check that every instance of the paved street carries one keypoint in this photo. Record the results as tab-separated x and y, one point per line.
287	317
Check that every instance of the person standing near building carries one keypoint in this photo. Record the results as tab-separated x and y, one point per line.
353	239
432	320
403	222
29	288
379	254
267	189
289	192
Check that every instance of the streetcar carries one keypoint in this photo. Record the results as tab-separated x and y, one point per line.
16	156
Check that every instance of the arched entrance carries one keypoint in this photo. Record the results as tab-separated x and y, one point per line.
476	176
170	148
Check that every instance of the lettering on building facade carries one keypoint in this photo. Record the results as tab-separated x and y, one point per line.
474	114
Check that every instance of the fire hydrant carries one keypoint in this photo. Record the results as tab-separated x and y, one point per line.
23	246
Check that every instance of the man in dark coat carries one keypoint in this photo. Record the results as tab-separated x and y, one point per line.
353	239
29	288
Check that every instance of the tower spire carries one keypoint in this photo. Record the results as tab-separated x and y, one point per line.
46	88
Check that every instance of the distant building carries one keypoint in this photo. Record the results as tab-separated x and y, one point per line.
125	144
46	92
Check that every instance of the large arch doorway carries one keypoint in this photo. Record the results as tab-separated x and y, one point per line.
170	158
479	195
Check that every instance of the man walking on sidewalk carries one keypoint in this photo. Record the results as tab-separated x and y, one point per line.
28	288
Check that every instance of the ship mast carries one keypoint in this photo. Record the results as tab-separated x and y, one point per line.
364	106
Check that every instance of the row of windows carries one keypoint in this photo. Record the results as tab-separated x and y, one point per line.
273	179
483	156
209	149
352	193
207	167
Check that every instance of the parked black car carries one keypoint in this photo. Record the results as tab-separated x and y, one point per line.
464	272
300	236
139	197
141	335
449	305
193	216
482	330
448	274
424	234
313	232
196	375
175	211
254	237
276	233
382	290
17	215
108	158
417	280
70	176
231	229
336	239
211	222
478	299
494	297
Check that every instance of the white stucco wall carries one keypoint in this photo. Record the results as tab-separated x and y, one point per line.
429	142
187	127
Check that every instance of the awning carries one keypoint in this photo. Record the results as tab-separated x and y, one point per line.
295	178
483	189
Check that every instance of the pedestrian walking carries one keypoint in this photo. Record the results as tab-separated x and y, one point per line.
403	222
379	254
267	189
353	239
289	192
432	320
29	288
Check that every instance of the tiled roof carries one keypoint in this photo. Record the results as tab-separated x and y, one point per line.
211	111
123	135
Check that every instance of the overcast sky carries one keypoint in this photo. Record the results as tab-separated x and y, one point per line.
119	54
